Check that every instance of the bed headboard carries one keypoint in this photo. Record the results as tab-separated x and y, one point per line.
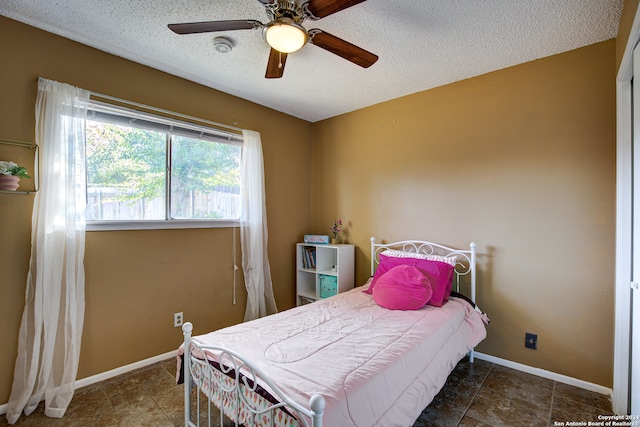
465	259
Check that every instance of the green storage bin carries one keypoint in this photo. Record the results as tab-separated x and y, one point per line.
328	286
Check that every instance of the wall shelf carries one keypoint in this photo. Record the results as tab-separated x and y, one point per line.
35	173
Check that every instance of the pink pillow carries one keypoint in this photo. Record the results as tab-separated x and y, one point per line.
439	274
402	288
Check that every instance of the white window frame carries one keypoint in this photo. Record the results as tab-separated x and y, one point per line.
116	114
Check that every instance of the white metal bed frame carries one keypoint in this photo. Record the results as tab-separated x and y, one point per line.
200	374
465	260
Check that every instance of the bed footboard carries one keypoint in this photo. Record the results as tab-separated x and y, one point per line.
232	386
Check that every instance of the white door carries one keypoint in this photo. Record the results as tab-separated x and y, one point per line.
634	292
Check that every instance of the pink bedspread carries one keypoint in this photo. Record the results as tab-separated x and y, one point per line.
375	367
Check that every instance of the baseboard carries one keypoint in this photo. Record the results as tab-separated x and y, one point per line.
545	374
124	369
112	373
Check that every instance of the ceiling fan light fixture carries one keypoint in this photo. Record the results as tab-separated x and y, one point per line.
285	35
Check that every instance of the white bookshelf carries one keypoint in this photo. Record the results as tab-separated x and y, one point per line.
318	264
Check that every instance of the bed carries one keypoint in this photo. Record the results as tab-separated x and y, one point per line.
347	360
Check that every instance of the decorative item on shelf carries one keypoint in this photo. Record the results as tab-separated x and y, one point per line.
335	229
316	238
10	174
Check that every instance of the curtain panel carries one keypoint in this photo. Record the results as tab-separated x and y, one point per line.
253	230
53	316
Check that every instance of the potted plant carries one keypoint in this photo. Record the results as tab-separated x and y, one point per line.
10	174
335	229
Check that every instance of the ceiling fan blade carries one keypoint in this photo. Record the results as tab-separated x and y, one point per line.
275	66
342	48
321	8
211	26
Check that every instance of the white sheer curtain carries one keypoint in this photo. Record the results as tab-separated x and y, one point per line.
53	317
253	230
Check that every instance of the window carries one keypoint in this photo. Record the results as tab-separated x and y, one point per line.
148	171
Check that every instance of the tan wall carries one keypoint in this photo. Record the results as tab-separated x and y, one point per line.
136	280
520	161
626	22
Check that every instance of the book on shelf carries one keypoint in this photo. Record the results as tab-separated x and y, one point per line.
309	257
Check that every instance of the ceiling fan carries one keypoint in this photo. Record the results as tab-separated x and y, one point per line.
285	33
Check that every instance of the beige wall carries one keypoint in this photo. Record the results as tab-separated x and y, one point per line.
136	280
626	22
520	161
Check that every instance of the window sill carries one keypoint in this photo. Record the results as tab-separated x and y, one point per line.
159	225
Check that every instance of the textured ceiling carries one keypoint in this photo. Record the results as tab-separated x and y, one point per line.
421	43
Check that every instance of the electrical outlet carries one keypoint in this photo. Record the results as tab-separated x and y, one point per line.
177	320
531	340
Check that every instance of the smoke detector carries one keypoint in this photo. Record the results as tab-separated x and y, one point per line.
222	44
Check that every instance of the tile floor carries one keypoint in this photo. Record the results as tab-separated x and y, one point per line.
475	395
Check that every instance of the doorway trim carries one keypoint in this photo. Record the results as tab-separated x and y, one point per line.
624	224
